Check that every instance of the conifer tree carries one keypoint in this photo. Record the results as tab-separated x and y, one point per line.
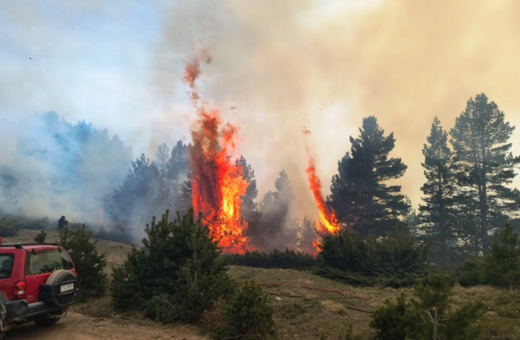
436	213
428	315
484	167
248	204
359	195
502	266
143	192
176	275
89	263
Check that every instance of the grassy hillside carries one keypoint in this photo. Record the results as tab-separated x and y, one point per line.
325	311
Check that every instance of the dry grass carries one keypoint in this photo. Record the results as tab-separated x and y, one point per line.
314	314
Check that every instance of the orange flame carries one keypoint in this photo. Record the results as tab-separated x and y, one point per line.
327	223
217	183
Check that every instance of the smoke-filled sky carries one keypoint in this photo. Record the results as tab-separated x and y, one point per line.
277	67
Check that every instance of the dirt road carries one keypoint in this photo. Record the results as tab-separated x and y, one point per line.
76	326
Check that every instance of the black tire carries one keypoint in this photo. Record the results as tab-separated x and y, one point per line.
53	297
45	322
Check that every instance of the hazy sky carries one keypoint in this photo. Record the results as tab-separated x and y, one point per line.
284	65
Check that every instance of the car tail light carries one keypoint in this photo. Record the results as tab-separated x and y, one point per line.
19	290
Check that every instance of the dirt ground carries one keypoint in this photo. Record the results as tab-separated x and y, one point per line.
84	326
76	326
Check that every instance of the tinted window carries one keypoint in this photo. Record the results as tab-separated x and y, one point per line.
46	261
6	265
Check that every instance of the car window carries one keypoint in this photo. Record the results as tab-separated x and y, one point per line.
46	261
6	265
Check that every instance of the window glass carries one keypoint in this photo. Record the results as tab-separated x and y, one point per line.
46	261
6	265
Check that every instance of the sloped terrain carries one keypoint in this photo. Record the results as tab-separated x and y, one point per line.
306	307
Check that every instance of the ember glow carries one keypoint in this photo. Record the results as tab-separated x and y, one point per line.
327	223
217	183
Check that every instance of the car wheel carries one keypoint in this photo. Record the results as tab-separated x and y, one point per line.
45	322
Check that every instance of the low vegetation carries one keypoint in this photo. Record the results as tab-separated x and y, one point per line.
180	275
288	259
9	226
89	263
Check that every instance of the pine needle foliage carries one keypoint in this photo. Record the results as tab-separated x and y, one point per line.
89	263
288	259
502	266
40	238
176	275
247	315
396	260
427	315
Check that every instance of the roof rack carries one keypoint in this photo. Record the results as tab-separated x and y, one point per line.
21	245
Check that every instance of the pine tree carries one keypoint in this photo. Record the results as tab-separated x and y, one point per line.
428	315
307	235
176	275
267	229
248	204
436	213
359	195
502	266
143	192
89	263
177	174
484	167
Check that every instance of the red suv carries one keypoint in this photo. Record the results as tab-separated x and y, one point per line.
37	283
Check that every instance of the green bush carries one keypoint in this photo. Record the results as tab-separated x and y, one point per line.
288	259
89	263
247	315
40	238
176	275
390	320
9	226
427	315
470	272
502	265
396	260
35	223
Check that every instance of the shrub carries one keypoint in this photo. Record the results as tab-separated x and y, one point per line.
502	265
36	223
247	315
396	260
390	320
40	238
176	275
89	263
288	259
427	315
470	272
9	226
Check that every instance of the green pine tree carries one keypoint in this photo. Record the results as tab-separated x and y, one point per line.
40	238
502	265
89	263
247	315
484	167
428	315
436	213
176	275
359	193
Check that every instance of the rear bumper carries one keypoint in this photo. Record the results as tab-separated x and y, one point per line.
20	311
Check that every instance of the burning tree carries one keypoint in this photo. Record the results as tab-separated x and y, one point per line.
217	182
